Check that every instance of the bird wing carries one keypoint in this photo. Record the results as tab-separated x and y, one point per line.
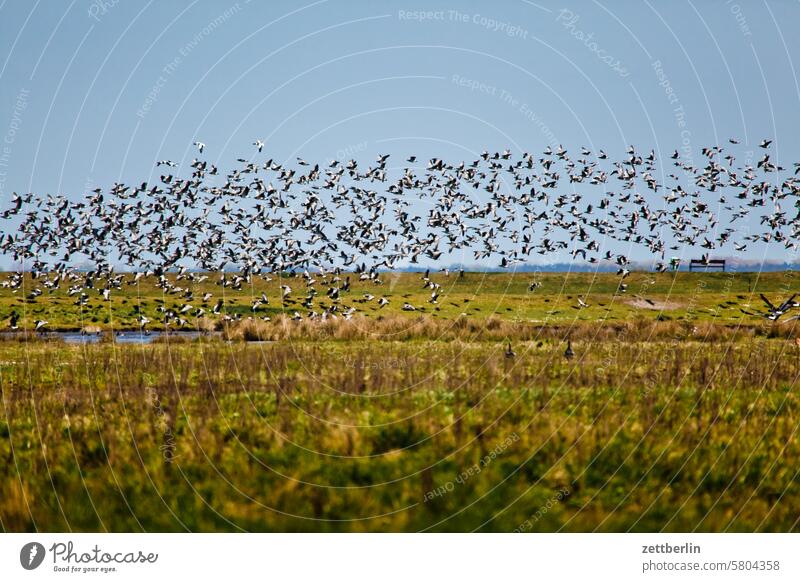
788	303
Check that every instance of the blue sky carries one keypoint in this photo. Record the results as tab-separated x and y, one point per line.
93	92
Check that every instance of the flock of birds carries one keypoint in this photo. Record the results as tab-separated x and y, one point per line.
320	221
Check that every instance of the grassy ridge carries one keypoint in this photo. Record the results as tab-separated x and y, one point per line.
401	436
668	296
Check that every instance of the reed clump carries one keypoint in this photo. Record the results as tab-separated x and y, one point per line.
427	327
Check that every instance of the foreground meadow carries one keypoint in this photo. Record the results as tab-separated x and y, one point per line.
651	426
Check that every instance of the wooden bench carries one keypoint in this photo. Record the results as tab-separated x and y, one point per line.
709	264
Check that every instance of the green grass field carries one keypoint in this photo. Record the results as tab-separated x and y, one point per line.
682	422
669	296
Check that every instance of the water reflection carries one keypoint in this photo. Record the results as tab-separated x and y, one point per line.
121	337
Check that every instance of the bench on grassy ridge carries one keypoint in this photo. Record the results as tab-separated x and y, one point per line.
707	264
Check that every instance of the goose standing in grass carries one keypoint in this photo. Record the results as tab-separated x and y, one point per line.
569	353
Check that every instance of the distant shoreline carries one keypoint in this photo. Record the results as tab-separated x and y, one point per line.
555	268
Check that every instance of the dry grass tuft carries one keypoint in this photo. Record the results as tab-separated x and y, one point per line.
426	327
